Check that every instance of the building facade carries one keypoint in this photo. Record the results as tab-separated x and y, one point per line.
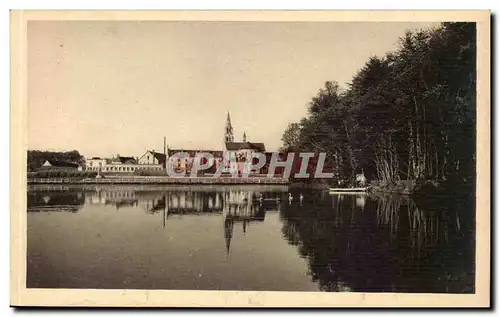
152	158
184	163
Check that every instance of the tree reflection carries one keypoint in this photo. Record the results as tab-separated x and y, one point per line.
384	244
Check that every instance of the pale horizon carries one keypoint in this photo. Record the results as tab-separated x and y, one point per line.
118	87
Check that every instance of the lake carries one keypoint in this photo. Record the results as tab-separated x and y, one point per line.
247	238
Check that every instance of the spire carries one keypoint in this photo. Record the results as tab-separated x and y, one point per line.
228	132
244	136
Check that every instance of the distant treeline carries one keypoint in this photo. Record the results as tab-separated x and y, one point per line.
37	158
410	114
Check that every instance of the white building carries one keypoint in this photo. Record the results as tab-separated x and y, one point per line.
120	164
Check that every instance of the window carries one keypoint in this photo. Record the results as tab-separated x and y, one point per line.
90	164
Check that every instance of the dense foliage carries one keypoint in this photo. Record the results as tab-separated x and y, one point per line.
37	158
408	115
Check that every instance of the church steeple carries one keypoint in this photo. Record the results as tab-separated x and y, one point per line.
228	133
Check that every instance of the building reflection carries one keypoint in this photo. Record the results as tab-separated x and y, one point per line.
189	202
361	243
237	205
239	208
389	243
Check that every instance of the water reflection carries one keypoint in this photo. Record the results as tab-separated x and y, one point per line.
385	244
355	243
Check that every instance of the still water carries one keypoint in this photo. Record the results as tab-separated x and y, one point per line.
247	238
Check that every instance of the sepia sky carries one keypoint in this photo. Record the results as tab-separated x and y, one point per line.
106	88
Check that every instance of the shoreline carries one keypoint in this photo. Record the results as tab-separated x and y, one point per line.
160	180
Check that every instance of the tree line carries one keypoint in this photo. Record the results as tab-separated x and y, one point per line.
410	114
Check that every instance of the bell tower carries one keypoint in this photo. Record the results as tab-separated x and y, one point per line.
228	132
